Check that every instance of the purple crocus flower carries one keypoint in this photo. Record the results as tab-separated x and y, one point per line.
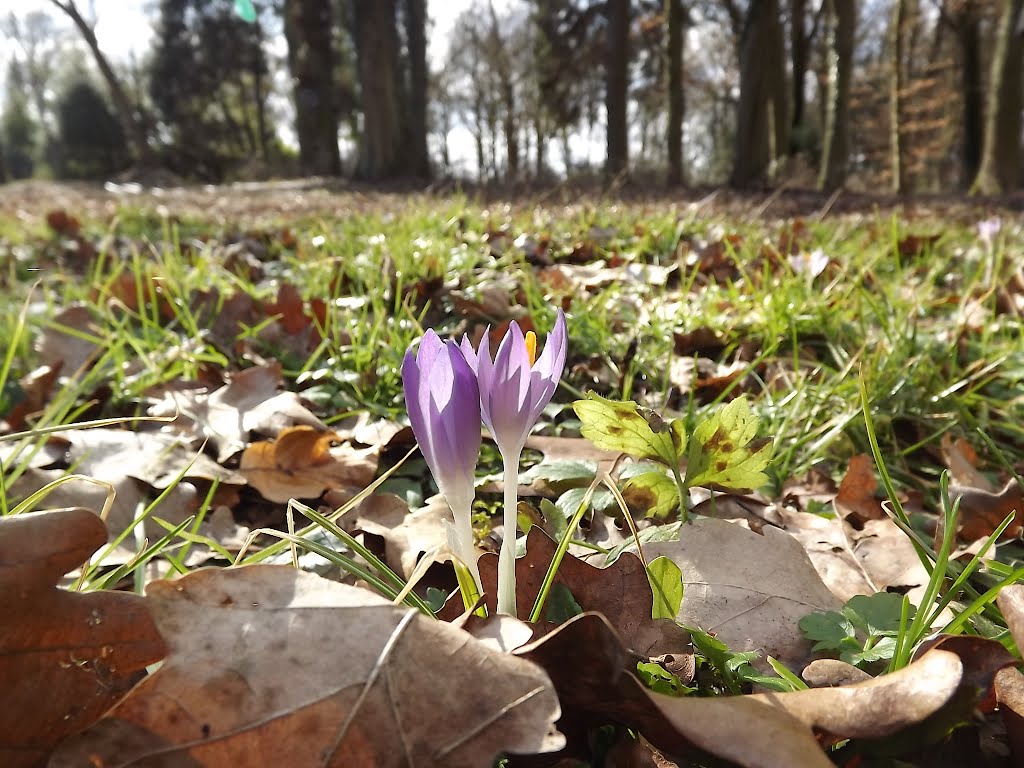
443	401
516	385
514	388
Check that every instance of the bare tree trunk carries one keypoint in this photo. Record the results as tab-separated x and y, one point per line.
675	14
836	145
1000	158
761	118
132	125
507	87
261	112
311	60
897	38
382	151
617	87
540	138
799	55
971	78
416	38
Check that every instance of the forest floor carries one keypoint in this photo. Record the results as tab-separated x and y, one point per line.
771	516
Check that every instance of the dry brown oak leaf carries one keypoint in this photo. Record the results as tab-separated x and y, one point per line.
750	590
65	657
1009	682
298	670
303	462
757	731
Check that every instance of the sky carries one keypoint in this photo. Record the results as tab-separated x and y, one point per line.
125	31
124	27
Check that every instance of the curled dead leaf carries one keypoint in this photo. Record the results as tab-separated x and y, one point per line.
65	657
778	730
598	687
305	461
299	670
982	511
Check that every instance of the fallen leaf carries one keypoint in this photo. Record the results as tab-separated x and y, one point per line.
128	461
1011	602
572	449
776	728
856	494
821	673
303	462
63	223
982	658
962	462
292	309
597	687
915	245
878	707
154	458
58	347
368	430
1009	686
250	403
300	670
407	535
621	593
65	657
1009	683
982	511
702	341
750	590
35	387
888	557
827	544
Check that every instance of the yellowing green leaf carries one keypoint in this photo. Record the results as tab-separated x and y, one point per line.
725	451
667	585
624	426
652	493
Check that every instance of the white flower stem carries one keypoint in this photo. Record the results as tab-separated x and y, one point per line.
462	546
507	556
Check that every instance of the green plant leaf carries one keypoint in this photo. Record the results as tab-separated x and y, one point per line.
830	629
881	651
653	533
435	598
660	680
667	585
560	476
626	427
570	501
653	493
555	521
561	605
725	451
877	614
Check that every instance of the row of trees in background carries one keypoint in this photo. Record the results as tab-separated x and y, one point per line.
905	94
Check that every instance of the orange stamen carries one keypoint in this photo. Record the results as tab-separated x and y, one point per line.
531	346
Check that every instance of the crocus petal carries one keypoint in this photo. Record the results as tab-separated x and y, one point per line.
548	369
466	347
512	391
505	389
552	358
443	399
466	422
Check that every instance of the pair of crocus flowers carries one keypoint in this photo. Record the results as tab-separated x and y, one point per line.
449	389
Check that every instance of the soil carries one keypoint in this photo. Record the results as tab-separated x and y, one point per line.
275	201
